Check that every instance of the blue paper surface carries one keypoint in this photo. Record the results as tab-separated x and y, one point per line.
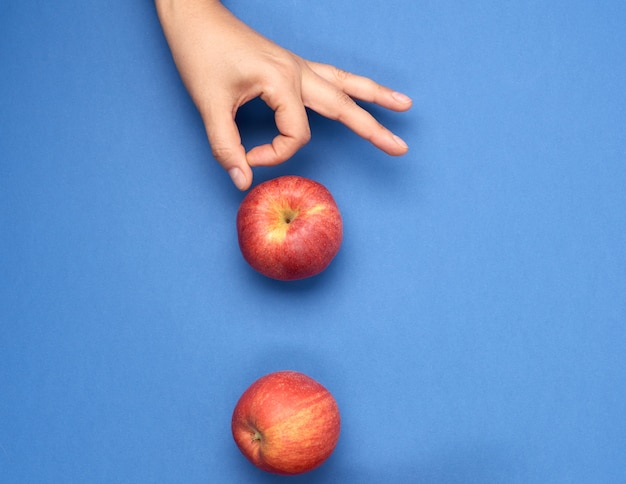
472	327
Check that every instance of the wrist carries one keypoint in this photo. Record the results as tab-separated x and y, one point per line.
174	3
168	7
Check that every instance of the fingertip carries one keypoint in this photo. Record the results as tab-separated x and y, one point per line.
397	146
239	178
400	142
401	98
263	155
280	150
400	101
391	144
235	163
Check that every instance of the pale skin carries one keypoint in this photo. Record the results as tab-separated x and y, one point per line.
224	64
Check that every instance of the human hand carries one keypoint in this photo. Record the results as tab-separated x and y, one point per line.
224	64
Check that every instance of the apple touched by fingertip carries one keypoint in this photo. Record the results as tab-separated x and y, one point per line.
289	228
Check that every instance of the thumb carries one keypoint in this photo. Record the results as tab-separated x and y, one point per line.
227	149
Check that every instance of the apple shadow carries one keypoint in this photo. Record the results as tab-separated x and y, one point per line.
480	464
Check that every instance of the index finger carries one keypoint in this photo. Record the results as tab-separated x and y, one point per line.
293	126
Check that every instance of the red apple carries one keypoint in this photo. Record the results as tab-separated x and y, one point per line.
286	423
289	228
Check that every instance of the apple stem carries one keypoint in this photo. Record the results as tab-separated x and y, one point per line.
256	436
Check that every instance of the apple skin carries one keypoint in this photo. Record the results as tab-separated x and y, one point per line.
286	423
289	228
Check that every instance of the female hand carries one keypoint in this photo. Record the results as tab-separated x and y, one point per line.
224	64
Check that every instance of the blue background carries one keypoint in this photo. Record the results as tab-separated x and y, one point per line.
472	327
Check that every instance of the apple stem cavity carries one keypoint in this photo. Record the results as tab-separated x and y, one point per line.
289	228
289	216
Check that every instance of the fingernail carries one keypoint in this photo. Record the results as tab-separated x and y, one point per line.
403	98
400	141
238	178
